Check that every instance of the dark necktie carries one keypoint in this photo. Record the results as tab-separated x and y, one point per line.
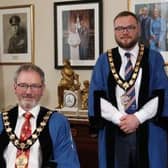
22	157
130	107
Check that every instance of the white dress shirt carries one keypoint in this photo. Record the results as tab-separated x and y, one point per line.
35	157
113	114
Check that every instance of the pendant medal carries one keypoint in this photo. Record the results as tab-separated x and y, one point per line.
125	100
21	161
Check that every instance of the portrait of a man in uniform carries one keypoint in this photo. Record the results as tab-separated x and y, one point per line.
18	40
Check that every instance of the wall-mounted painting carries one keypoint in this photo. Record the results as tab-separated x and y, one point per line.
16	34
153	16
78	32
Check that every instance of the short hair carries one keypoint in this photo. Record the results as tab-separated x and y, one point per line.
30	67
126	13
14	20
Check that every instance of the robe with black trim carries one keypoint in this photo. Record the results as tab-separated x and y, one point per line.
152	139
55	140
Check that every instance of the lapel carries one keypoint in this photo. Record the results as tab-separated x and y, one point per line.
4	137
144	88
45	138
111	81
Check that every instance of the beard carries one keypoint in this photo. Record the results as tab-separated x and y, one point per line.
129	45
27	102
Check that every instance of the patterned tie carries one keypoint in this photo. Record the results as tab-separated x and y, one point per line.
130	107
22	157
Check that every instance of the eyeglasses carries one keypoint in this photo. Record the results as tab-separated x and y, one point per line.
129	28
25	86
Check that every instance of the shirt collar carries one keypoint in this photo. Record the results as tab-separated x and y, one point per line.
34	111
134	51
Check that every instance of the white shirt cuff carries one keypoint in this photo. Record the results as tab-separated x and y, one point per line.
109	112
148	111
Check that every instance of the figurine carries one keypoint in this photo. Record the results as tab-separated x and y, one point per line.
69	81
84	95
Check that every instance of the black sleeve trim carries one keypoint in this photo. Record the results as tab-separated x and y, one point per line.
159	119
97	122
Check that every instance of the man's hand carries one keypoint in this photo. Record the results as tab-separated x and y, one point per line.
129	123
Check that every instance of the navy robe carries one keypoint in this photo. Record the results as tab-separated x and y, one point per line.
152	143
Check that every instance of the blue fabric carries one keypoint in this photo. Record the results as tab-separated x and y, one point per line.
157	136
158	30
64	149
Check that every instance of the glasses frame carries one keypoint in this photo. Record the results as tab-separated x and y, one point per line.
25	86
121	29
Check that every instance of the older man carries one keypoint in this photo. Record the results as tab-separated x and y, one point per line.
31	135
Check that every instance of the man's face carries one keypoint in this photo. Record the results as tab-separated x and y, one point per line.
28	89
126	32
15	29
145	12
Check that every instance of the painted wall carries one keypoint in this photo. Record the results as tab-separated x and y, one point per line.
44	48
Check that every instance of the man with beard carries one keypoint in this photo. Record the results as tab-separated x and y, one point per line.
128	101
32	135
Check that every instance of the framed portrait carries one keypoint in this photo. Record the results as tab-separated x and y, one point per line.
16	34
153	16
78	32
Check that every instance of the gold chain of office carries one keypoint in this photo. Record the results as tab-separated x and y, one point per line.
24	145
122	83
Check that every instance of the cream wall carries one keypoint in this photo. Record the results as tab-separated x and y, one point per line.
44	48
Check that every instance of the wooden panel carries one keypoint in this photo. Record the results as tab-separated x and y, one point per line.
86	144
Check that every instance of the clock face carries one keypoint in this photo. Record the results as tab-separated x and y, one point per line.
70	100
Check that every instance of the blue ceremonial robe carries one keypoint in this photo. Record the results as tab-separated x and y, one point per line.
55	140
152	142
